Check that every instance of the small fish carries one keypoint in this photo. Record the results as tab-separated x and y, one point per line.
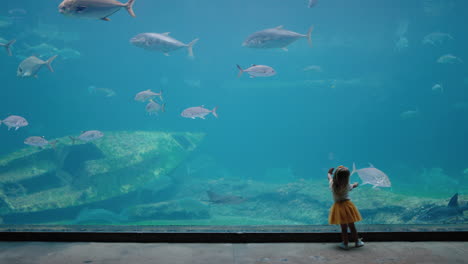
40	142
94	9
88	136
275	38
372	176
31	66
437	88
161	42
105	91
8	46
312	3
257	71
193	83
153	108
410	114
401	44
449	59
314	68
147	95
17	12
198	111
436	38
14	121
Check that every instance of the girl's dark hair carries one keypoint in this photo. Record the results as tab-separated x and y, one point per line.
340	179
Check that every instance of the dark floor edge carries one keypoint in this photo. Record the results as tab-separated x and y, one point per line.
226	237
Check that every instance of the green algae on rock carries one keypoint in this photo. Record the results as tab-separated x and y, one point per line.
34	180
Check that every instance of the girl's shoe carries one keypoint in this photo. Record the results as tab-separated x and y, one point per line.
343	246
359	243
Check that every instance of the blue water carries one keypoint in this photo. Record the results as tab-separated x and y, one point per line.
352	115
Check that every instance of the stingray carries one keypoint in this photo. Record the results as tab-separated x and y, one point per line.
441	212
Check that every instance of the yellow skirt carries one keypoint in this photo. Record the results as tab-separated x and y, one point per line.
344	212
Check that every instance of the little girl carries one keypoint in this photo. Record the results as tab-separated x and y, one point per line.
343	211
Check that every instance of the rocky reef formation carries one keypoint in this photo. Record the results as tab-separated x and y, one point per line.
73	175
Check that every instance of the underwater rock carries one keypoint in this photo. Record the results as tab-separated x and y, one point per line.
34	180
218	198
175	209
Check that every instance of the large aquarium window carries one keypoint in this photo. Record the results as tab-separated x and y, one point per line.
231	113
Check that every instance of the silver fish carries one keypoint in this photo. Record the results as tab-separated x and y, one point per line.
438	88
372	176
410	114
257	71
14	121
39	142
94	9
436	38
88	136
153	108
312	3
198	111
47	50
8	46
314	68
161	42
31	66
449	59
147	95
275	38
105	91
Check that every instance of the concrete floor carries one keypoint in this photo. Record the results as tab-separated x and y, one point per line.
281	253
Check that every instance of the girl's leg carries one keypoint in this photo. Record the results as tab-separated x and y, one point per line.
344	233
354	234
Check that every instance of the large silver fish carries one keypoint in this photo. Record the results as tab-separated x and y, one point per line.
372	176
161	42
275	38
449	59
14	121
94	9
198	111
88	136
31	66
257	71
147	95
153	108
40	142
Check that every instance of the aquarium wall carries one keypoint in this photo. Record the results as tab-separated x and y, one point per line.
228	113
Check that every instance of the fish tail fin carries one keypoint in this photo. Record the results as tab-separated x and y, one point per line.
309	35
91	89
49	63
214	111
354	168
190	47
53	144
240	71
161	95
163	107
129	7
8	46
73	139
